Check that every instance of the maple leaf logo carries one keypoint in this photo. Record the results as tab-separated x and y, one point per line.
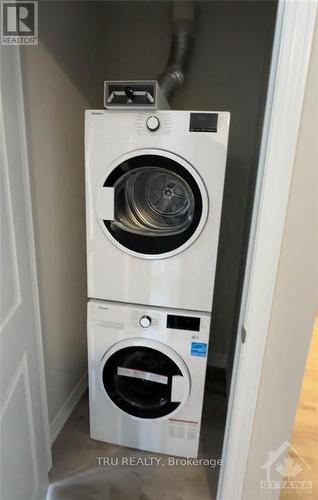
289	468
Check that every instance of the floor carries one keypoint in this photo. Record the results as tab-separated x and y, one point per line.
305	435
76	474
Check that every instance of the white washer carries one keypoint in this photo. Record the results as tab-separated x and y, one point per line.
154	187
146	376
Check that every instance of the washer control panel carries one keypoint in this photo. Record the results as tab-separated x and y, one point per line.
164	320
189	323
145	321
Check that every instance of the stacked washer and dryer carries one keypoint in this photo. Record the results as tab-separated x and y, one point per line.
154	187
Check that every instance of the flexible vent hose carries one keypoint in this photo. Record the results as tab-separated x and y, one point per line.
181	44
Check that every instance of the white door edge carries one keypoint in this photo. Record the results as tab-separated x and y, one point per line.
33	265
290	60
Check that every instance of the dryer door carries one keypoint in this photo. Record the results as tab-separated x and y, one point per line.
145	378
152	203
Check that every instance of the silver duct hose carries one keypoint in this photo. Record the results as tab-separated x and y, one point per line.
182	40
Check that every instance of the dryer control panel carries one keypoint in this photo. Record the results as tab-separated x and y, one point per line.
203	122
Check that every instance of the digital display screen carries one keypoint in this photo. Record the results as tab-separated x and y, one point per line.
183	323
203	122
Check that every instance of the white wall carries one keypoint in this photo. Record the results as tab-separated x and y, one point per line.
295	300
62	77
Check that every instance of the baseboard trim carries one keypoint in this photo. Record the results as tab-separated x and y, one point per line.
61	417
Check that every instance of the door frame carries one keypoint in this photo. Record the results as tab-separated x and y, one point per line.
294	31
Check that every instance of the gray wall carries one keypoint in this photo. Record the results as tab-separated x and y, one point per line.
295	301
62	77
228	72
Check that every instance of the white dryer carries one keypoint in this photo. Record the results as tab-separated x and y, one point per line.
154	187
146	376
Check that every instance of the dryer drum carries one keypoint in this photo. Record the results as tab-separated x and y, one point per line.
154	202
158	204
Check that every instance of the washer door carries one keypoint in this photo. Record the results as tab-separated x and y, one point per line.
145	379
152	204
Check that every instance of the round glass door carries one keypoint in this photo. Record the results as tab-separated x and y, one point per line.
158	204
144	382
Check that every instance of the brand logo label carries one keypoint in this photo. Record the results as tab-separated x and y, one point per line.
19	23
286	473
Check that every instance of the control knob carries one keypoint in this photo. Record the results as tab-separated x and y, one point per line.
145	321
153	123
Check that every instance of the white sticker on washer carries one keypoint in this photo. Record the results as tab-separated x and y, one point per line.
153	377
183	429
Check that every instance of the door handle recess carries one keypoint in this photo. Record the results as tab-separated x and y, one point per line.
105	203
177	389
